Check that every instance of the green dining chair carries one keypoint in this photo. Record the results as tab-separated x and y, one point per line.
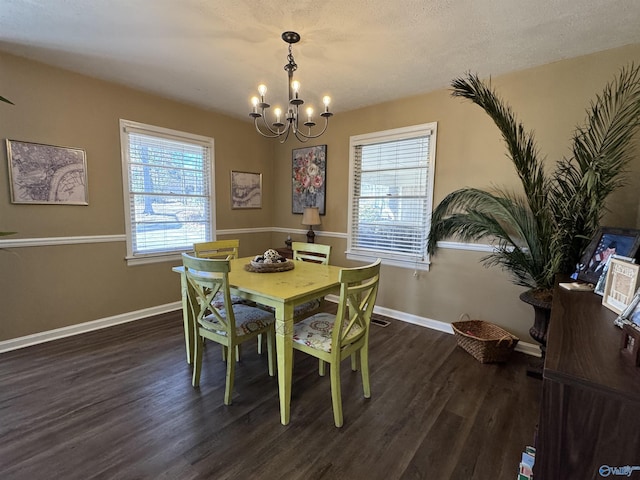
224	250
332	338
217	249
228	324
310	252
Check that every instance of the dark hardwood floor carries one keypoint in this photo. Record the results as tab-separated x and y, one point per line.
118	403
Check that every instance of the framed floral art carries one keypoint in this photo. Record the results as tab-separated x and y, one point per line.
308	178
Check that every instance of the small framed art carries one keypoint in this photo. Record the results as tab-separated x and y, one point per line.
606	242
47	174
622	280
246	190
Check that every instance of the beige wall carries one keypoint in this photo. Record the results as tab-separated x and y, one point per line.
42	288
551	100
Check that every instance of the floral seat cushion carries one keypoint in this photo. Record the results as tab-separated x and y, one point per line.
218	300
248	320
316	331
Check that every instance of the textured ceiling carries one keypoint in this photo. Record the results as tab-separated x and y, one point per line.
214	53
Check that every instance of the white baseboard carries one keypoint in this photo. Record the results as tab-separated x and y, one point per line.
36	338
524	347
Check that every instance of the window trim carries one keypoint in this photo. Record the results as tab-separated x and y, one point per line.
128	126
402	133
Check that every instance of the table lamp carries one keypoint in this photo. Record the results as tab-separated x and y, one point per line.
310	217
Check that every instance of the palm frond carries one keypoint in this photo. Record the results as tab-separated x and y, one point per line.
544	232
502	217
601	153
521	144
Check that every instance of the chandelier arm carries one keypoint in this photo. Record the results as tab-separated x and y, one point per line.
275	134
284	139
298	132
301	137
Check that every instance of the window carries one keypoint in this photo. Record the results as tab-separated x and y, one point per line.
390	195
167	178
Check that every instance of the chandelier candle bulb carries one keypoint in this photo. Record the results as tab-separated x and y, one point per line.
309	123
278	113
326	100
296	100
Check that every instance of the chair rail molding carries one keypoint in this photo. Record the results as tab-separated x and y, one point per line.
52	241
82	239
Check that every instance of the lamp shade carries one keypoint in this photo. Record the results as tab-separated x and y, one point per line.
310	216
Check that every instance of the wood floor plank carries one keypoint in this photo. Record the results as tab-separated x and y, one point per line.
118	403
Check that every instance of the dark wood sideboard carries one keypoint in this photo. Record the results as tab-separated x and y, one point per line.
590	410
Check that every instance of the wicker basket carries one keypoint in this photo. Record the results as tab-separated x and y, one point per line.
488	343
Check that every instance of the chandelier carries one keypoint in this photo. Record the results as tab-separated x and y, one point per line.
290	123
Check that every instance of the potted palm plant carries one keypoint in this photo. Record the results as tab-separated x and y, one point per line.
543	230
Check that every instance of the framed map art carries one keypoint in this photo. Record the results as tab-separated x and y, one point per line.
47	174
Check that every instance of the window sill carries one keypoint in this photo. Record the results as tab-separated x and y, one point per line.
157	258
395	262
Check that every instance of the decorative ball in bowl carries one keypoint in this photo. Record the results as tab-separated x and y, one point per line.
270	261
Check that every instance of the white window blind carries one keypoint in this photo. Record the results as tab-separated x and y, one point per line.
168	189
391	194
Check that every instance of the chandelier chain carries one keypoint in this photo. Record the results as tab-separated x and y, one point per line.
291	66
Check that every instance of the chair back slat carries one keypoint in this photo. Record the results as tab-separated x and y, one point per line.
311	252
358	293
219	249
207	277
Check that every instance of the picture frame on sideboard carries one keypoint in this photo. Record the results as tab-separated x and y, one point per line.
622	281
631	314
606	242
599	288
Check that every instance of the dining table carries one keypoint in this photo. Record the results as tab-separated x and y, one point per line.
282	290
